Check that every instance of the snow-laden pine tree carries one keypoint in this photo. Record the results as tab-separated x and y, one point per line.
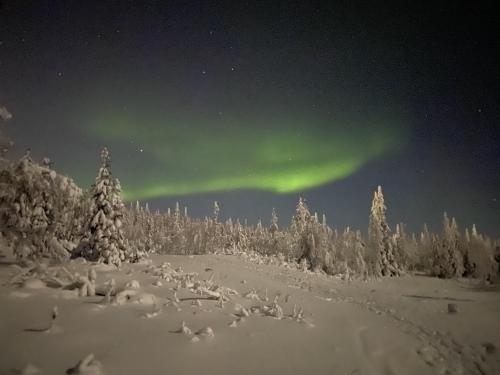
452	247
259	230
310	241
447	257
324	224
106	240
37	210
298	227
216	212
215	236
273	228
177	218
479	256
405	248
379	237
240	237
424	250
301	218
5	142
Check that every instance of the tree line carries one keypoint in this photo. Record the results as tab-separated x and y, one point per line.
44	214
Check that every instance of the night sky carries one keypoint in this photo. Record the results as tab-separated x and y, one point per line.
255	103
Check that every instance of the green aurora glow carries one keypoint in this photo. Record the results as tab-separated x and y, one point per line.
281	155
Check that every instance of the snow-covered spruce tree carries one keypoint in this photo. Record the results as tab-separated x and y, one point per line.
383	261
301	218
177	218
178	234
5	142
273	228
348	251
106	240
424	250
359	249
240	237
216	212
479	257
215	240
228	234
37	208
405	248
310	241
298	230
150	233
447	255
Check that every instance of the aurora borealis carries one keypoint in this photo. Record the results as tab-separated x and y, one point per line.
254	104
277	155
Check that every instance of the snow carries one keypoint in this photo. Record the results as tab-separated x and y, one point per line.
309	322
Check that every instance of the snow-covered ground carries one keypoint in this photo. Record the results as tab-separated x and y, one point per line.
304	323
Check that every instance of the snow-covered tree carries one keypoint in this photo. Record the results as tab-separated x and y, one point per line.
379	235
106	240
309	239
5	142
177	217
447	257
324	224
405	248
37	209
273	228
216	212
479	257
259	230
301	218
300	221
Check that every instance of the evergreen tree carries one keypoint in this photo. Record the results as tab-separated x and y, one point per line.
106	238
479	257
301	218
448	259
380	239
177	218
298	228
323	223
273	228
216	212
5	142
259	230
405	248
37	210
310	243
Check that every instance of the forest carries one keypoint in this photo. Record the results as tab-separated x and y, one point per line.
44	214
